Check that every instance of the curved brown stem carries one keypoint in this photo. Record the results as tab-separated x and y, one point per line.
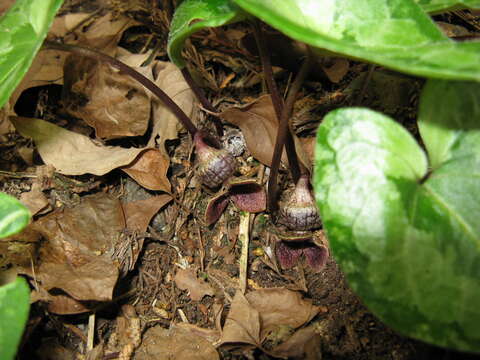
276	98
284	130
167	101
202	98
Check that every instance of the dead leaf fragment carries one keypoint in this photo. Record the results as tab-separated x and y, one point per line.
139	213
336	69
259	126
176	343
149	170
186	279
242	324
279	306
71	153
76	255
254	316
34	200
113	103
165	125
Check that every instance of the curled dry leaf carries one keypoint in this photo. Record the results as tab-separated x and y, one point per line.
113	103
259	126
305	343
75	154
165	125
34	200
175	343
260	312
186	279
47	67
139	213
149	169
76	254
60	304
242	324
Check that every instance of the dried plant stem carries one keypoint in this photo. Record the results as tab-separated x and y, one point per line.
276	98
207	105
243	235
284	130
164	98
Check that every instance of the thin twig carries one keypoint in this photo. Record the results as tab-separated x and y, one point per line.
284	130
276	98
167	101
243	235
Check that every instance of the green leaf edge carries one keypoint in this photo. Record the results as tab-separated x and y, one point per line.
180	32
20	290
16	218
27	60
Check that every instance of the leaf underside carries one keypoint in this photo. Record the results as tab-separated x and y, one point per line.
407	235
396	33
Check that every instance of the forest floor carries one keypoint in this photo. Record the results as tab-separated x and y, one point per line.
121	261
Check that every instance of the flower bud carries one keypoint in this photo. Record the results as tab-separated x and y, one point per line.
214	165
299	212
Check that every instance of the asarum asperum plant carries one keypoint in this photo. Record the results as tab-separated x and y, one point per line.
214	165
300	212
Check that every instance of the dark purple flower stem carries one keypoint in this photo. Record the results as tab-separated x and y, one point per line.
276	99
284	130
207	105
164	98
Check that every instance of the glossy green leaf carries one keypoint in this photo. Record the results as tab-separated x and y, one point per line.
194	15
444	5
14	307
22	30
408	238
393	33
14	216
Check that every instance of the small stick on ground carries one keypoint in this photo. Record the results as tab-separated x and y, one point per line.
243	235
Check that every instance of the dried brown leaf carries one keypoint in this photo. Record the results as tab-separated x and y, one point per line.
259	126
149	169
71	153
336	69
165	125
101	33
242	324
279	306
76	255
186	279
34	200
113	103
303	344
175	343
139	213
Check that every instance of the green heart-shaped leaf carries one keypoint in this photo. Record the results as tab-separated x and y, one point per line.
407	237
394	33
14	216
22	30
14	306
194	15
